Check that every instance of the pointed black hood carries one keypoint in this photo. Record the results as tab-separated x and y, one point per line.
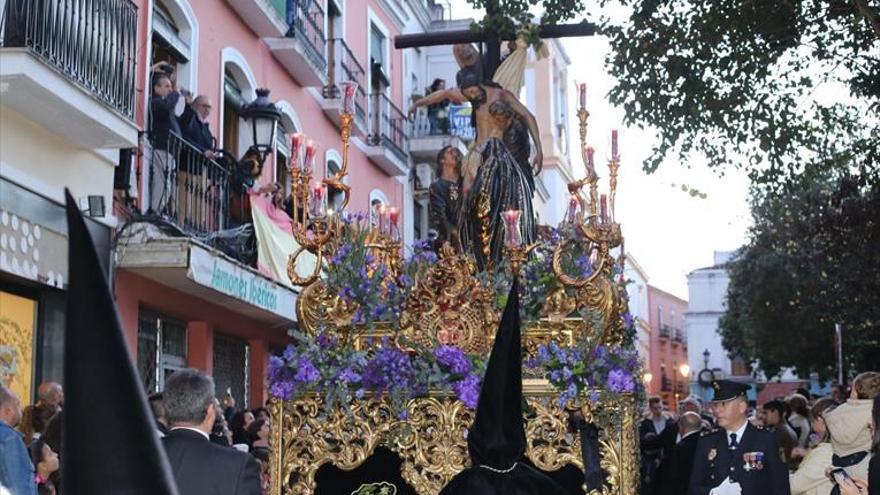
110	444
497	438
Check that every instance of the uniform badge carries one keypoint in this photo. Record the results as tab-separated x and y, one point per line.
753	460
712	454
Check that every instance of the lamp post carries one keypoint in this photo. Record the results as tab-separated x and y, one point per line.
706	375
262	118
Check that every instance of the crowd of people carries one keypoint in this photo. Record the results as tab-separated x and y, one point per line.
213	446
821	445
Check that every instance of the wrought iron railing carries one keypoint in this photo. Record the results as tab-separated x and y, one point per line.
189	189
665	332
676	335
387	125
305	21
92	42
344	66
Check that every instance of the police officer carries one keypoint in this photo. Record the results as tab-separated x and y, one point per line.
736	458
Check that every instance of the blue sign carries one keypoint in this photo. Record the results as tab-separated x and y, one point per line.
460	122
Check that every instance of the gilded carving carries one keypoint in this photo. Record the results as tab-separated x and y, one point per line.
432	442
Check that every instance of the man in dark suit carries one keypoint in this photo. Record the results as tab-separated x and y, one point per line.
201	467
737	458
675	470
654	434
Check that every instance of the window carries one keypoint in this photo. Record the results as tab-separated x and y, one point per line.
334	196
233	101
231	361
377	46
282	156
419	229
161	348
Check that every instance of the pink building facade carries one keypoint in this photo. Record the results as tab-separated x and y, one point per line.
184	299
668	356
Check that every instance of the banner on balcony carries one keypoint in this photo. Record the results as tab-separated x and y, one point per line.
234	280
460	121
275	242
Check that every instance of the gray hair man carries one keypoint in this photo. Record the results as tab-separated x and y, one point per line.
199	466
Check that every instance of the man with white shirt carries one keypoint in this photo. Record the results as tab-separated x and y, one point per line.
736	458
201	467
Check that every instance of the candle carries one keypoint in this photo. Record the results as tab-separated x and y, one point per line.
318	200
603	208
614	144
349	88
590	154
309	161
383	220
296	140
393	216
571	214
513	236
582	92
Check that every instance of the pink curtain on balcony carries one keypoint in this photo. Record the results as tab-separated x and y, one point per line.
275	242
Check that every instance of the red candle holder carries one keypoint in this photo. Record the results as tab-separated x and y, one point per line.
349	90
296	141
512	232
317	200
309	160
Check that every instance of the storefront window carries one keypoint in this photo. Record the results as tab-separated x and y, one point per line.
161	348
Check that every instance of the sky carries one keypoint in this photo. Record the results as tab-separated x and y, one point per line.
668	232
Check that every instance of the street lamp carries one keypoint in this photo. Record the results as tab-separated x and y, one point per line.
262	117
706	355
685	370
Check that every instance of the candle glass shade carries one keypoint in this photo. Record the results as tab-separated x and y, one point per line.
614	153
393	216
572	212
383	220
318	201
296	141
512	232
309	159
582	95
349	90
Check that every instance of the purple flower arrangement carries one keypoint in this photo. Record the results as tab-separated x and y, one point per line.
578	371
340	374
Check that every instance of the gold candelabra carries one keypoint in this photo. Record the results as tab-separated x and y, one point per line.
313	226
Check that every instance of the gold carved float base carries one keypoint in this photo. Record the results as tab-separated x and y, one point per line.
432	441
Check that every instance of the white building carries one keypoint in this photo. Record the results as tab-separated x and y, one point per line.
707	296
637	291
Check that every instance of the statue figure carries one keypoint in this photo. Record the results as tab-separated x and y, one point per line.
497	165
445	198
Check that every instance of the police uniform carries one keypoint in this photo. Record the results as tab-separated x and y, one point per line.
752	461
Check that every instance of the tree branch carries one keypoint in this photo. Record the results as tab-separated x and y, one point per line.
869	15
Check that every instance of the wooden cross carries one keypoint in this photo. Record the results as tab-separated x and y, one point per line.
491	38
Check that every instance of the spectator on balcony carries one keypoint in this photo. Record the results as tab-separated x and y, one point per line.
445	193
438	112
163	123
192	177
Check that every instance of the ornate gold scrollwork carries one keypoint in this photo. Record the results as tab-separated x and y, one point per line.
451	306
432	441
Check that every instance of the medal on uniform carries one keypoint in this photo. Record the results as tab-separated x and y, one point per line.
712	454
748	460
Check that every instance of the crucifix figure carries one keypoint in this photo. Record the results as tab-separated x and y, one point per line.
497	172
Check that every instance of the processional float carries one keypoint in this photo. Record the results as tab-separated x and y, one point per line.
582	305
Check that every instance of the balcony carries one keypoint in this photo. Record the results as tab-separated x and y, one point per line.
303	49
430	134
343	66
189	190
387	141
677	335
77	59
266	18
665	331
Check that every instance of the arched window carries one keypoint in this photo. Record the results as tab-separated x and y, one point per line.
175	39
378	199
239	88
289	124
